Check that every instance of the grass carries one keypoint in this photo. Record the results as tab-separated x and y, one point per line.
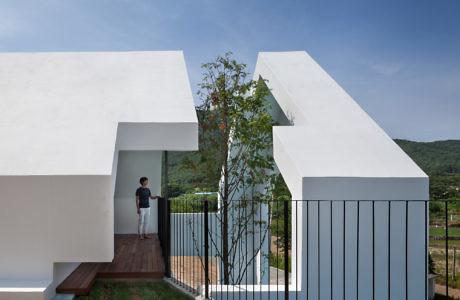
442	232
442	243
452	283
119	290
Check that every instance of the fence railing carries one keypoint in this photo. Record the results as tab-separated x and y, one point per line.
302	249
164	232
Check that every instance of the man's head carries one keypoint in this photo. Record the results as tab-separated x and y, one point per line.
143	181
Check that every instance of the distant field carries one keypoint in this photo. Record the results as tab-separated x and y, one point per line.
442	232
442	243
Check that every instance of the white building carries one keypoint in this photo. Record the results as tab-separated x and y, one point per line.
335	151
68	121
331	154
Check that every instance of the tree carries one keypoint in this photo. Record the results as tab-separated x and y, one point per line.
236	138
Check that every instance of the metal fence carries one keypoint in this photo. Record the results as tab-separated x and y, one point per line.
444	218
302	249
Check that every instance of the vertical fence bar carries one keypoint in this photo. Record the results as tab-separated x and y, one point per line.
277	254
192	248
184	210
174	246
166	227
308	246
373	249
389	249
200	241
296	235
270	214
215	237
407	256
206	245
168	236
286	250
179	242
426	248
319	253
357	252
332	263
253	254
160	226
447	250
240	246
246	245
260	249
344	249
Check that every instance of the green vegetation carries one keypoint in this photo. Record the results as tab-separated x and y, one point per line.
185	180
442	243
441	161
118	290
193	203
277	261
452	283
442	232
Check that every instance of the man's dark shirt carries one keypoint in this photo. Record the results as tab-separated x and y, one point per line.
143	194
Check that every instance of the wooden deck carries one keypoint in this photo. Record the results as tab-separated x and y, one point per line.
134	258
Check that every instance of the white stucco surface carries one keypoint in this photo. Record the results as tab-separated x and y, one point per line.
333	150
59	112
338	138
64	117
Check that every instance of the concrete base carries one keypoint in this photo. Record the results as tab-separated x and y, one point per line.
27	290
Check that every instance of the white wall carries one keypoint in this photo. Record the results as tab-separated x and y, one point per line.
132	165
187	234
57	201
47	219
66	219
72	228
363	189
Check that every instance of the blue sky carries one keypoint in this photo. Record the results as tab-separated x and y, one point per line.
400	60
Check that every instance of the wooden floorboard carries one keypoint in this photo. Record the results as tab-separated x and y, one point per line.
134	258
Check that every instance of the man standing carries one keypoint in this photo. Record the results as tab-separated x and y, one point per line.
143	207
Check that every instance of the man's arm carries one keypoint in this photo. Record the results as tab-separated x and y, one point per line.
154	197
137	204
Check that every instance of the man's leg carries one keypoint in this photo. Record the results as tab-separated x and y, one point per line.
140	225
146	222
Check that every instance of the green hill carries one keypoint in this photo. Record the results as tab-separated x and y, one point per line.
183	180
441	161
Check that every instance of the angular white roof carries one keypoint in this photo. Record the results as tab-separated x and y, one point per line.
59	112
332	135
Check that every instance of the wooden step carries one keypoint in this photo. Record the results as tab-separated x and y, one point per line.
80	281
